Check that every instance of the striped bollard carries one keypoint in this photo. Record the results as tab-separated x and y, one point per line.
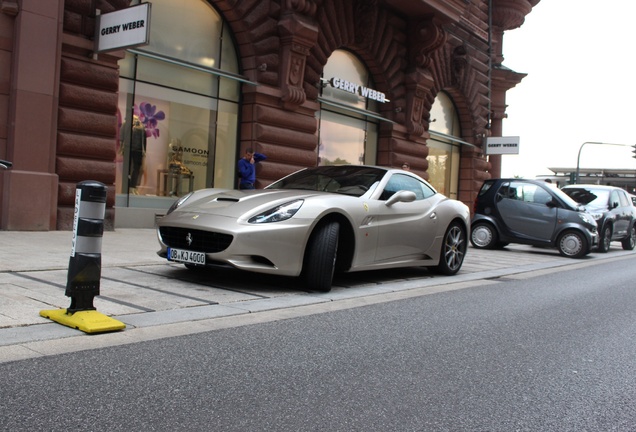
85	263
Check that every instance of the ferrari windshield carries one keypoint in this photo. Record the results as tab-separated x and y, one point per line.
349	179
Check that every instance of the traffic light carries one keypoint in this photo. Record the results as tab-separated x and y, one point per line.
634	151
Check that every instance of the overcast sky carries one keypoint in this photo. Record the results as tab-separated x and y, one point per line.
581	86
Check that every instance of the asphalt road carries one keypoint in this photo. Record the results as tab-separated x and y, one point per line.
555	352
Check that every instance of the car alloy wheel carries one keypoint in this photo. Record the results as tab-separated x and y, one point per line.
453	250
320	261
629	242
606	239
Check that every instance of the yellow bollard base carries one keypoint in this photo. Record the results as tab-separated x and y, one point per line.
87	321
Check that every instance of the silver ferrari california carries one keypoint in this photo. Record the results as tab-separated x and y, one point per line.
318	221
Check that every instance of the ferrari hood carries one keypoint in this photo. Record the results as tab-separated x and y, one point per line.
235	203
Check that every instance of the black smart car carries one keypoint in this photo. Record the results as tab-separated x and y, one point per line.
613	210
534	213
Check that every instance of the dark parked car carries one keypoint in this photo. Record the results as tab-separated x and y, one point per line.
613	210
534	213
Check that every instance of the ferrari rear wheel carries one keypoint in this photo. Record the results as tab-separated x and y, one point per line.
453	250
320	259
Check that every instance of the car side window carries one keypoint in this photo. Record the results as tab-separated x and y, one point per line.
614	200
509	191
625	201
539	195
526	192
399	182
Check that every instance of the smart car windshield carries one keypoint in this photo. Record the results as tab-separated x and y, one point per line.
347	180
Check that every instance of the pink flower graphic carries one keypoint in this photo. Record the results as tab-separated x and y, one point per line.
150	118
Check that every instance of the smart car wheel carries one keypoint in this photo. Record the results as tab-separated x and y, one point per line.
320	259
483	236
453	250
572	244
605	240
630	241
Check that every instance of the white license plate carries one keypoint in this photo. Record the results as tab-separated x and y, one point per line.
186	256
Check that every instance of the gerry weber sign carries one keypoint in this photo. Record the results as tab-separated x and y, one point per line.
502	145
357	89
123	28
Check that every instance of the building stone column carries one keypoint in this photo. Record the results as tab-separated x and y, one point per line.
298	34
32	116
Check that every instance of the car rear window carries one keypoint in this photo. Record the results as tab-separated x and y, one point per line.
588	196
484	188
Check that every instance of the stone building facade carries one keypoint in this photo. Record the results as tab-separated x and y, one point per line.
60	102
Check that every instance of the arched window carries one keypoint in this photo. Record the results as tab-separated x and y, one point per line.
444	154
182	90
348	119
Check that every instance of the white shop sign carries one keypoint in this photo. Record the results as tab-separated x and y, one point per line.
124	28
358	89
502	145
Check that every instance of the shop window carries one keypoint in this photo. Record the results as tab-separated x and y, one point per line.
178	116
444	153
348	120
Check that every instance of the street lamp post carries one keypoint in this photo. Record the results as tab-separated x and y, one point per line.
578	158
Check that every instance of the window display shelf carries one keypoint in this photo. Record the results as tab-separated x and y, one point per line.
172	183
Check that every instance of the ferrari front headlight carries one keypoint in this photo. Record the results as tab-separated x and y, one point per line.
178	203
277	214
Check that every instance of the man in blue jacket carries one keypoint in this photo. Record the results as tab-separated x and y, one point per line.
247	168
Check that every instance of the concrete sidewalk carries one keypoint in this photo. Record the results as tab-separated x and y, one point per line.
51	250
155	298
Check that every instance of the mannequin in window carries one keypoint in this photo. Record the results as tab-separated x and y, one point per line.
176	166
136	138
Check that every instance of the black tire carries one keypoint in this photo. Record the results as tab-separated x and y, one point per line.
320	258
453	250
573	244
484	236
630	241
605	239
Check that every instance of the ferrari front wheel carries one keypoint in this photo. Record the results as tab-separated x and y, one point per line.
320	258
453	250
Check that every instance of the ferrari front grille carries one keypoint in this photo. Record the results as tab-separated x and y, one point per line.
195	240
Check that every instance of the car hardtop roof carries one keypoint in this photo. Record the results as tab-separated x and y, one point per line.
593	186
505	179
